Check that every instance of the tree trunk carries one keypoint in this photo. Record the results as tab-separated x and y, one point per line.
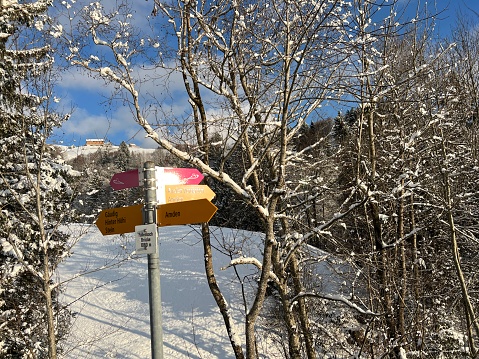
47	290
468	307
218	296
294	344
403	271
253	313
402	259
419	328
52	344
302	308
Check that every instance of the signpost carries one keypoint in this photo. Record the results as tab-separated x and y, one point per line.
173	196
188	212
156	328
119	220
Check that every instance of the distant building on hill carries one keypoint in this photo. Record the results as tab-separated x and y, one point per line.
95	142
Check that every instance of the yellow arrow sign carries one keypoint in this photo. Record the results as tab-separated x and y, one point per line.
188	212
120	220
182	193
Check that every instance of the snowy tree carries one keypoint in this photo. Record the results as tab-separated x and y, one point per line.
34	192
405	88
454	173
466	60
123	157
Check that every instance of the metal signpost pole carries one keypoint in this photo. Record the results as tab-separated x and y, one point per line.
153	264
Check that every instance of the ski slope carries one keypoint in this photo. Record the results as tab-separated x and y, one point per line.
111	304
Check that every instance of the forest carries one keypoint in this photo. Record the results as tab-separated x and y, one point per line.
348	127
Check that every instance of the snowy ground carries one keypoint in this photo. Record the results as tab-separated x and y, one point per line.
112	307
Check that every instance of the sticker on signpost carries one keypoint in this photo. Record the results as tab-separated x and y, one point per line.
146	239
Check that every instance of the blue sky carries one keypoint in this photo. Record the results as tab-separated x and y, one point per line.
93	117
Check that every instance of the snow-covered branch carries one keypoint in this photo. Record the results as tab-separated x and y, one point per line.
250	260
337	298
400	240
322	228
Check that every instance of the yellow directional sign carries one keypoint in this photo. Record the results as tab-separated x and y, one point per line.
182	193
187	212
120	220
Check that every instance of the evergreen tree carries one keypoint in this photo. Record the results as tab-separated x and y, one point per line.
123	157
34	192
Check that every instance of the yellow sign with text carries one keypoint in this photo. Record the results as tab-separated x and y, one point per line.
120	220
187	212
182	193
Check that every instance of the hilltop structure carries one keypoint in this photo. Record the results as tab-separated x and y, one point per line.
95	142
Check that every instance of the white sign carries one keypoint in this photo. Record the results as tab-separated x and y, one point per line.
146	238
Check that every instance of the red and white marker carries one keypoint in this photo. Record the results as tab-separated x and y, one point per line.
171	175
124	180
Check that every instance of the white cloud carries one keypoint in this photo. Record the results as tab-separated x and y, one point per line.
82	125
76	79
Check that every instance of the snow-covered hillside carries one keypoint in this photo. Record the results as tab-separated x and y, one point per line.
70	152
112	319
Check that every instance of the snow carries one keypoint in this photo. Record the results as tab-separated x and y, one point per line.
112	319
71	152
